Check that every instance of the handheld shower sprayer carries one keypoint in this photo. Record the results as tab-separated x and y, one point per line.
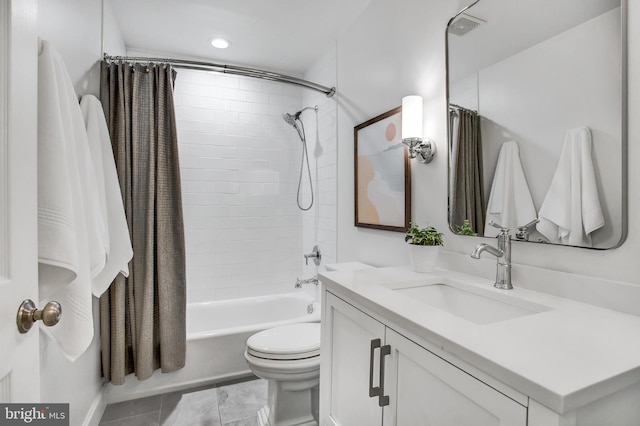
293	120
289	118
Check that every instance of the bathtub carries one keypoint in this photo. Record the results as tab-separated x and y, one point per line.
216	336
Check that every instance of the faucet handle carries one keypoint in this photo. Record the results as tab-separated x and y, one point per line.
502	230
315	254
528	225
523	231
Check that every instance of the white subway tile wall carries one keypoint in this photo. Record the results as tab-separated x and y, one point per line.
320	222
239	168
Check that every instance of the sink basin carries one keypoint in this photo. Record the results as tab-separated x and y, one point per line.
469	305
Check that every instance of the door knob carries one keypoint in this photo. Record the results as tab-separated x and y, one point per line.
29	314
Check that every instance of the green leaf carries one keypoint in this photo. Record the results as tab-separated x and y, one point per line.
427	236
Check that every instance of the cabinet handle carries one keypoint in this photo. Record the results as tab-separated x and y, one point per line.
383	400
373	391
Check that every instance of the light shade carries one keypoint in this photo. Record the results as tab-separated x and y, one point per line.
412	117
420	148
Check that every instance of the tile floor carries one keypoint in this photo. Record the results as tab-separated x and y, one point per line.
232	405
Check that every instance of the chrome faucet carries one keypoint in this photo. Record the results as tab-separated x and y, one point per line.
503	255
313	280
315	255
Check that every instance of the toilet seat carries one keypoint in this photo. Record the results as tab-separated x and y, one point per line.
289	342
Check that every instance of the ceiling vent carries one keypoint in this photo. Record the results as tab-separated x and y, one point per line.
464	24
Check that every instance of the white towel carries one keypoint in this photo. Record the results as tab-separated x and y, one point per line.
68	235
571	210
58	133
510	203
119	251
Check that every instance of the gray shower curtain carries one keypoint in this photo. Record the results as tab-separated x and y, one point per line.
142	317
466	198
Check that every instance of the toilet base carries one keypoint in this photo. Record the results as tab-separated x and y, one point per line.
263	418
288	408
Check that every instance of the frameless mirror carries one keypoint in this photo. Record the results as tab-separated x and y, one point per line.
537	130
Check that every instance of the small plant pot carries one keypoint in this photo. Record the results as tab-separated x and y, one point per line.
423	258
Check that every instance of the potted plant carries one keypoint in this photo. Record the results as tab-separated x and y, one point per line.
424	245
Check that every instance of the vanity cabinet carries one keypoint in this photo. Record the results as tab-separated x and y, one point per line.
345	361
373	375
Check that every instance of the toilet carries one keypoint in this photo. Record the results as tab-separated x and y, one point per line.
289	358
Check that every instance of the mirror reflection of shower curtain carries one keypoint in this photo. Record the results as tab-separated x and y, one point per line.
466	180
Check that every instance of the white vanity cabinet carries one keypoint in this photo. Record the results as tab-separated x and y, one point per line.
345	365
373	375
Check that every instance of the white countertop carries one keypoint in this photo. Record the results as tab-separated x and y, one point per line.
565	357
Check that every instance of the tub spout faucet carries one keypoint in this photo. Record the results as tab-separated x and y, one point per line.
315	255
313	280
503	255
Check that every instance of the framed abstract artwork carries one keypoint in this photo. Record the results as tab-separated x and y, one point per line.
382	174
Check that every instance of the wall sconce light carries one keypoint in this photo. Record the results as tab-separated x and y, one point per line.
422	149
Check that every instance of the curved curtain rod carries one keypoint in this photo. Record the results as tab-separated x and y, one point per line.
227	69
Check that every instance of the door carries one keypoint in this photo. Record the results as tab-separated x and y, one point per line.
427	390
349	365
19	353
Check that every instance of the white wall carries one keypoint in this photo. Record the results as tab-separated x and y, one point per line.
239	164
392	50
112	41
320	222
74	28
375	69
464	92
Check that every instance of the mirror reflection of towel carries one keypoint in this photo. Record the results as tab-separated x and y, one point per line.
510	203
571	210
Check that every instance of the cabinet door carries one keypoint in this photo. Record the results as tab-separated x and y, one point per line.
427	390
345	365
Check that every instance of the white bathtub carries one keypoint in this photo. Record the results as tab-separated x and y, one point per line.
216	336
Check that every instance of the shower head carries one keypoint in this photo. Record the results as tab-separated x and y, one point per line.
291	118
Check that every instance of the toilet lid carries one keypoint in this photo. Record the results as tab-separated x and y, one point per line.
295	341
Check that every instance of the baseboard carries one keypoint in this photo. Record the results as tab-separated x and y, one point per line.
96	410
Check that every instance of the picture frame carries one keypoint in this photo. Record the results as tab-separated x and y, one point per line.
382	177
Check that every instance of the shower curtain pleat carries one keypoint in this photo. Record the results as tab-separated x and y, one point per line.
142	317
466	198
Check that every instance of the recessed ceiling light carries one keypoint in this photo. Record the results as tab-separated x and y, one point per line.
220	43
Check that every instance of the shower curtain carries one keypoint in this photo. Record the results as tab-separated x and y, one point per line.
466	197
142	317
